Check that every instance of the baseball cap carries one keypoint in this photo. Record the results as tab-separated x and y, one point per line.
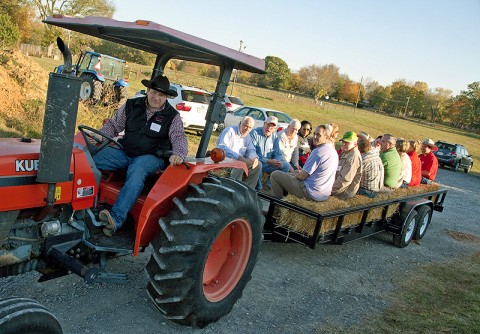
365	135
272	119
349	136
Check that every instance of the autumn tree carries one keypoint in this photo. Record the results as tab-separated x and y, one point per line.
379	97
46	8
400	97
294	82
349	92
278	73
470	109
9	31
338	86
73	7
317	81
22	14
438	100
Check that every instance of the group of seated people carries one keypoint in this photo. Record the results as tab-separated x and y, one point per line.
311	167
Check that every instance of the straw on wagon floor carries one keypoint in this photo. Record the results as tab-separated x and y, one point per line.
303	224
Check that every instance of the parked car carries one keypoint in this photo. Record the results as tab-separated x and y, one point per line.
233	103
453	155
259	115
192	104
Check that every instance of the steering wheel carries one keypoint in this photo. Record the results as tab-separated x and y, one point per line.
93	149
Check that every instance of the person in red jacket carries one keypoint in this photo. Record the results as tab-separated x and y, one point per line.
416	163
429	161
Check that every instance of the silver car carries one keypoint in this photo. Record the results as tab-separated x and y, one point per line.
259	115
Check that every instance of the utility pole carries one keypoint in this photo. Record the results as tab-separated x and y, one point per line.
406	106
236	71
358	95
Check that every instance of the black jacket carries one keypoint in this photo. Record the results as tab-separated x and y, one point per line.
144	136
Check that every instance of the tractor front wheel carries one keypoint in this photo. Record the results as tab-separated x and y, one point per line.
205	252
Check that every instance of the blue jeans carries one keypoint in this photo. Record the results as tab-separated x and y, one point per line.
266	168
137	168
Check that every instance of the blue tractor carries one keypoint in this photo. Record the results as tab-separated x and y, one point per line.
103	77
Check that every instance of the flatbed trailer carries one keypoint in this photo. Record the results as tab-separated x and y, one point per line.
409	221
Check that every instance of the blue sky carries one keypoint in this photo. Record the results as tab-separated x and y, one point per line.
437	42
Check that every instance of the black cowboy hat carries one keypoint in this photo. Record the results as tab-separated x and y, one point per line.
160	84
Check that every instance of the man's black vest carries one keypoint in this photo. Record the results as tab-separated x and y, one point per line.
144	136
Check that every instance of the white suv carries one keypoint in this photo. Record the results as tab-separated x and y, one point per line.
192	104
233	103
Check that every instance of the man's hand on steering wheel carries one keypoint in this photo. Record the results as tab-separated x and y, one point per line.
96	140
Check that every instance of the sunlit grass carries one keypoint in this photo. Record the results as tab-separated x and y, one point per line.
438	298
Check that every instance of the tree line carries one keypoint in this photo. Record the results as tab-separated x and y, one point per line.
21	22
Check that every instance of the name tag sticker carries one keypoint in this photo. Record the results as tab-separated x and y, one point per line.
155	127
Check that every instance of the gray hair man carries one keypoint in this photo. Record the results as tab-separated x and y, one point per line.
237	144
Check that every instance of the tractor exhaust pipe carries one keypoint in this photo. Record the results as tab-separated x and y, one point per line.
67	56
59	122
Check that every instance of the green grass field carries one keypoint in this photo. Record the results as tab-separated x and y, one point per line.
305	109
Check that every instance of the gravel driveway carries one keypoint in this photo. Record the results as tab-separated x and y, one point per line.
294	289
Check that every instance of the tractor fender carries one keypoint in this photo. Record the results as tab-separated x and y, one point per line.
409	206
121	83
97	76
173	183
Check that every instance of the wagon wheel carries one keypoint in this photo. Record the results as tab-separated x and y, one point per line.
26	316
424	216
205	253
408	230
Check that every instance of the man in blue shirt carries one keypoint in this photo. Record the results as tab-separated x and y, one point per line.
267	145
315	180
237	144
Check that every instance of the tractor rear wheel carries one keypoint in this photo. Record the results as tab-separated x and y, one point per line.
26	316
120	94
91	88
205	252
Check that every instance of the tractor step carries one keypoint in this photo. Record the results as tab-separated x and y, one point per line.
120	242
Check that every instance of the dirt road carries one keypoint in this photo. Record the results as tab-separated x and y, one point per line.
293	289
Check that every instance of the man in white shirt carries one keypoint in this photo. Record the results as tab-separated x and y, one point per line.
237	144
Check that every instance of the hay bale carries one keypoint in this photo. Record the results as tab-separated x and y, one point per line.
221	172
302	224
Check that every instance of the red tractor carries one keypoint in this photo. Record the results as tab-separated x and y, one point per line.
204	231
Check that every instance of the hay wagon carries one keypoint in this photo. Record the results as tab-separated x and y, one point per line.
406	214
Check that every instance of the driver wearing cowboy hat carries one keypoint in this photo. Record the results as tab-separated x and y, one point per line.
429	161
150	124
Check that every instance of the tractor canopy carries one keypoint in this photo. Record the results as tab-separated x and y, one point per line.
158	39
